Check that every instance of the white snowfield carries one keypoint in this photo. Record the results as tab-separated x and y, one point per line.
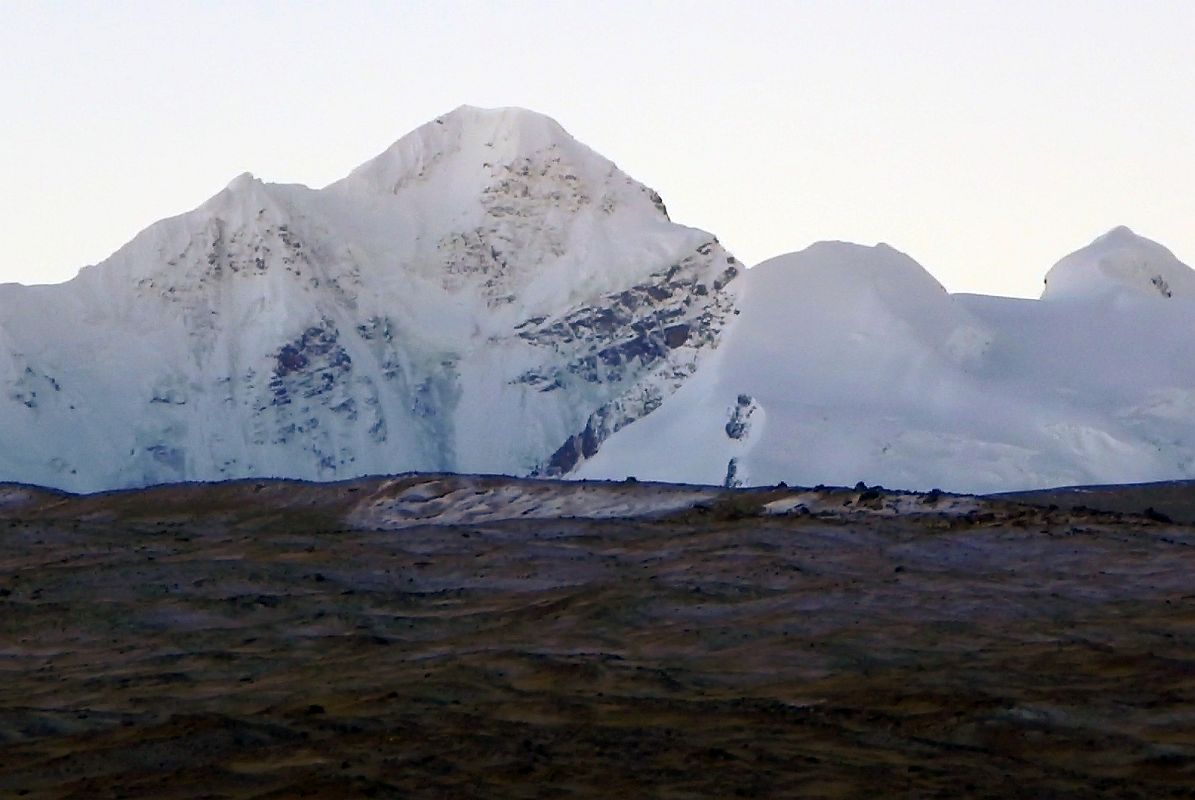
491	296
860	366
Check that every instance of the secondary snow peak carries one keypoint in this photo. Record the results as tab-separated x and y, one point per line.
1120	263
848	269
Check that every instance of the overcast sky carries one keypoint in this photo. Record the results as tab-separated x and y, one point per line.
985	139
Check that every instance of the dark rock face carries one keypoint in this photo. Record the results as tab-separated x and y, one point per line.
567	456
731	481
645	338
635	327
676	335
581	446
740	417
658	202
312	373
310	365
1161	285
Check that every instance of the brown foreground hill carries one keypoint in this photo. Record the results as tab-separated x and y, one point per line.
439	636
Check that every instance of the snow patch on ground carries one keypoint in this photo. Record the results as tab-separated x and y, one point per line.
882	504
461	501
15	496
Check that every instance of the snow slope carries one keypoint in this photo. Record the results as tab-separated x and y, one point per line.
851	363
487	295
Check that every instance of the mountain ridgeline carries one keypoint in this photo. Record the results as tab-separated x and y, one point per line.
489	295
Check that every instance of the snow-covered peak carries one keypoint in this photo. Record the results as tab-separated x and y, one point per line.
854	267
487	295
879	288
242	181
832	341
508	212
1120	262
243	199
459	143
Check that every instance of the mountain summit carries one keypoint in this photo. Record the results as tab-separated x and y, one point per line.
487	295
1120	262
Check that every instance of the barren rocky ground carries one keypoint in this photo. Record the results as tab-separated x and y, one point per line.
433	636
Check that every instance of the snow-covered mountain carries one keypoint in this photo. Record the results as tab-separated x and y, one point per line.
487	295
1120	263
851	363
490	295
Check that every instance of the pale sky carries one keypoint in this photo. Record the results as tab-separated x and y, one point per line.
985	139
